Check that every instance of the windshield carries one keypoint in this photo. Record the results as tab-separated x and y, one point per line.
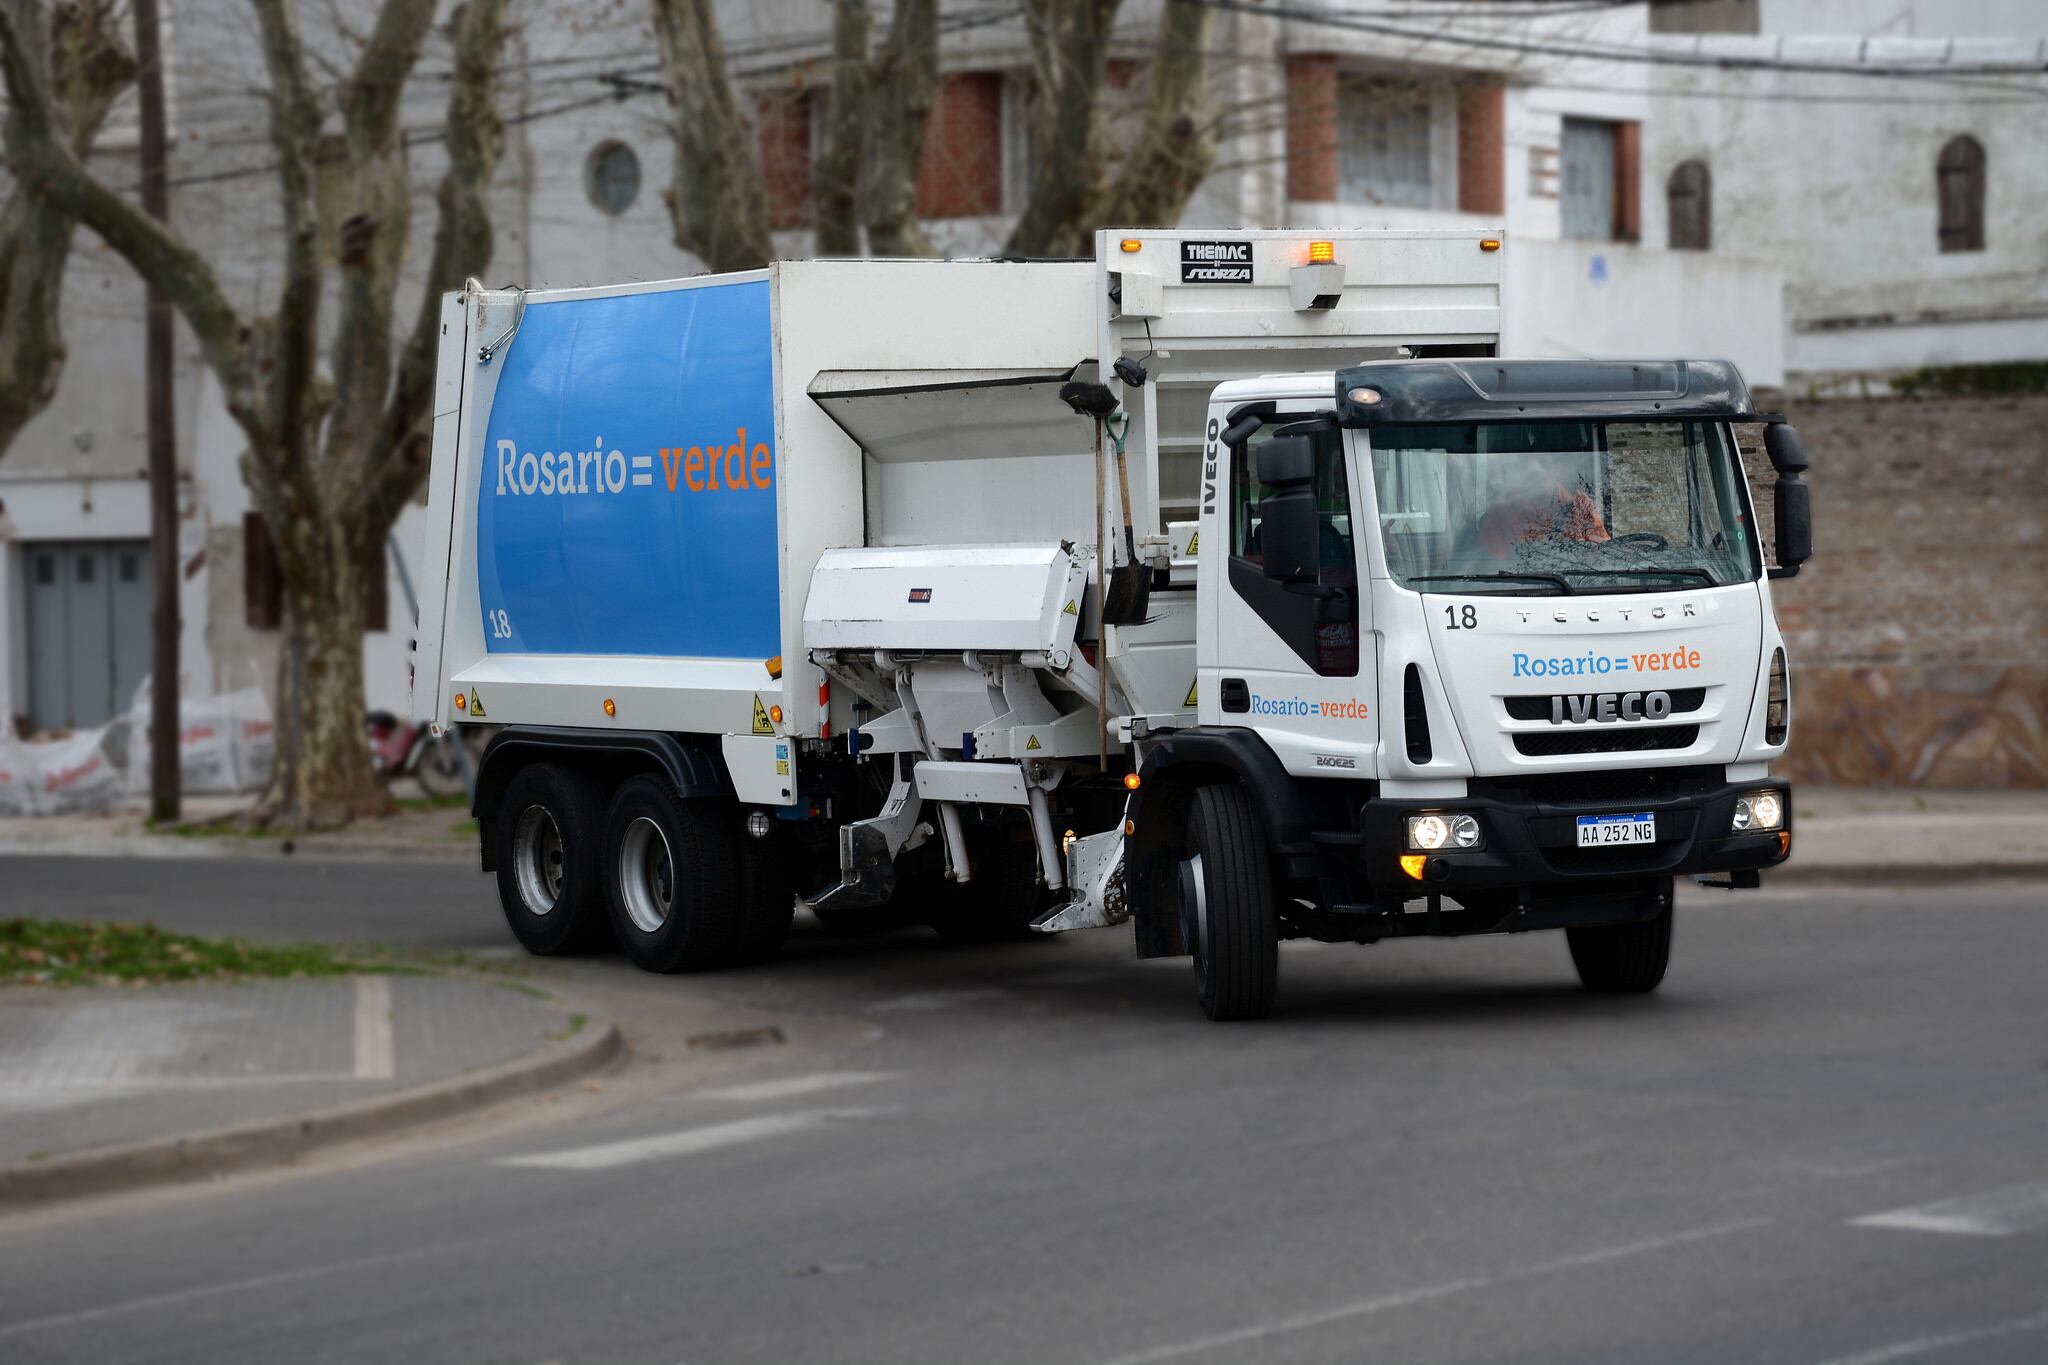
1572	507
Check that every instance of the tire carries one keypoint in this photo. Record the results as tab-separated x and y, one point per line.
767	894
669	877
1002	897
1622	959
549	859
1235	923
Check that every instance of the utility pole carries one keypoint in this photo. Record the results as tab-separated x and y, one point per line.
163	445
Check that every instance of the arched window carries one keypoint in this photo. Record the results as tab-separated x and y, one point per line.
1689	196
1959	186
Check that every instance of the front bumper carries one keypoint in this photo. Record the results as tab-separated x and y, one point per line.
1531	840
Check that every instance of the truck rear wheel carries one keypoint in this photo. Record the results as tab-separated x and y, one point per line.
1622	959
669	876
549	881
1228	913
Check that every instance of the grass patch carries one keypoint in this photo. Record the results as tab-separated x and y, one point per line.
48	952
433	803
1959	381
220	827
569	1030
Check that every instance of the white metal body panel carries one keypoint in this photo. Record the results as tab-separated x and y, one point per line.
997	598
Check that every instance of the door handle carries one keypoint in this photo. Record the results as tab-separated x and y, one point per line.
1236	696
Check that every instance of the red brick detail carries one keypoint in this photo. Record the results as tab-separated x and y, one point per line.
1482	149
961	172
1312	127
785	133
1628	182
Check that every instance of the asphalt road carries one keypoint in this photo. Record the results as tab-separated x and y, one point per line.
1825	1140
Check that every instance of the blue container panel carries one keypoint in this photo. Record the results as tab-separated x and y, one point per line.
627	504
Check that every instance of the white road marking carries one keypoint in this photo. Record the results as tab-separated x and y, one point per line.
1994	1213
1920	1346
213	1291
690	1141
1424	1293
796	1085
920	1001
374	1059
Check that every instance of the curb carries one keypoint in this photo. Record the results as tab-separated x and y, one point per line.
1903	874
280	1141
312	847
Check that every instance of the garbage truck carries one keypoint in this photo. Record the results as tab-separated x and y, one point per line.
1228	585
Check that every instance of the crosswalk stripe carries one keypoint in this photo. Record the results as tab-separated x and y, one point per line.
691	1141
1993	1213
790	1086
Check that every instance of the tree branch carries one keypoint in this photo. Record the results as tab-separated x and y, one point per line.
89	66
1070	50
462	247
1176	144
835	176
718	203
903	85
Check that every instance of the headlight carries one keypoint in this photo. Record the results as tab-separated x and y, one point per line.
1432	832
1759	811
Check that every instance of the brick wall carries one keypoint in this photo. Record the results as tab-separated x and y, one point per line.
1312	128
785	134
961	172
1482	149
1919	631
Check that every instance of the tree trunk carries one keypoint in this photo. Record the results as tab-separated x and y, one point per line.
1070	51
835	177
902	87
718	205
1176	142
323	776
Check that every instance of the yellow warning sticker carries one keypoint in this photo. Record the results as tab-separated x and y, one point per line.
1194	543
761	725
782	767
1032	743
1191	693
476	703
1070	609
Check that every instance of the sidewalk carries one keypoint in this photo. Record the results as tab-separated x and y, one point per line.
108	1088
1839	834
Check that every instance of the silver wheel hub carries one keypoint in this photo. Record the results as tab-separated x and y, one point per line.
537	860
647	878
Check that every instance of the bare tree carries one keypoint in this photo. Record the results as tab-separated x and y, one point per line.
333	456
85	67
877	107
1161	165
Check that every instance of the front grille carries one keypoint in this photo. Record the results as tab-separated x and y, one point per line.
1630	739
1528	707
1606	788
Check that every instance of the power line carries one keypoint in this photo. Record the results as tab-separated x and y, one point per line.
1952	74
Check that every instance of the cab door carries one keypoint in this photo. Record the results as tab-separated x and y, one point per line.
1294	661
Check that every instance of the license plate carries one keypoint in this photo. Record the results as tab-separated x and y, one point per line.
1598	831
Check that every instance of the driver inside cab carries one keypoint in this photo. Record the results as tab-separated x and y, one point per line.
1545	498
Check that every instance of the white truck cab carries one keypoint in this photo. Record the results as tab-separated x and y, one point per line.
1018	596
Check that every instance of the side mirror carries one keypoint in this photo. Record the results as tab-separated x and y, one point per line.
1288	527
1787	451
1791	500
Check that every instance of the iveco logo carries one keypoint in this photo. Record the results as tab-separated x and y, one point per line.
1610	706
1592	614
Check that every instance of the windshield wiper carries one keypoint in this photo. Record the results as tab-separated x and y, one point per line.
1701	574
1563	584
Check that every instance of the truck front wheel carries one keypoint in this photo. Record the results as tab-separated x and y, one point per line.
1228	913
668	873
547	859
1623	959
